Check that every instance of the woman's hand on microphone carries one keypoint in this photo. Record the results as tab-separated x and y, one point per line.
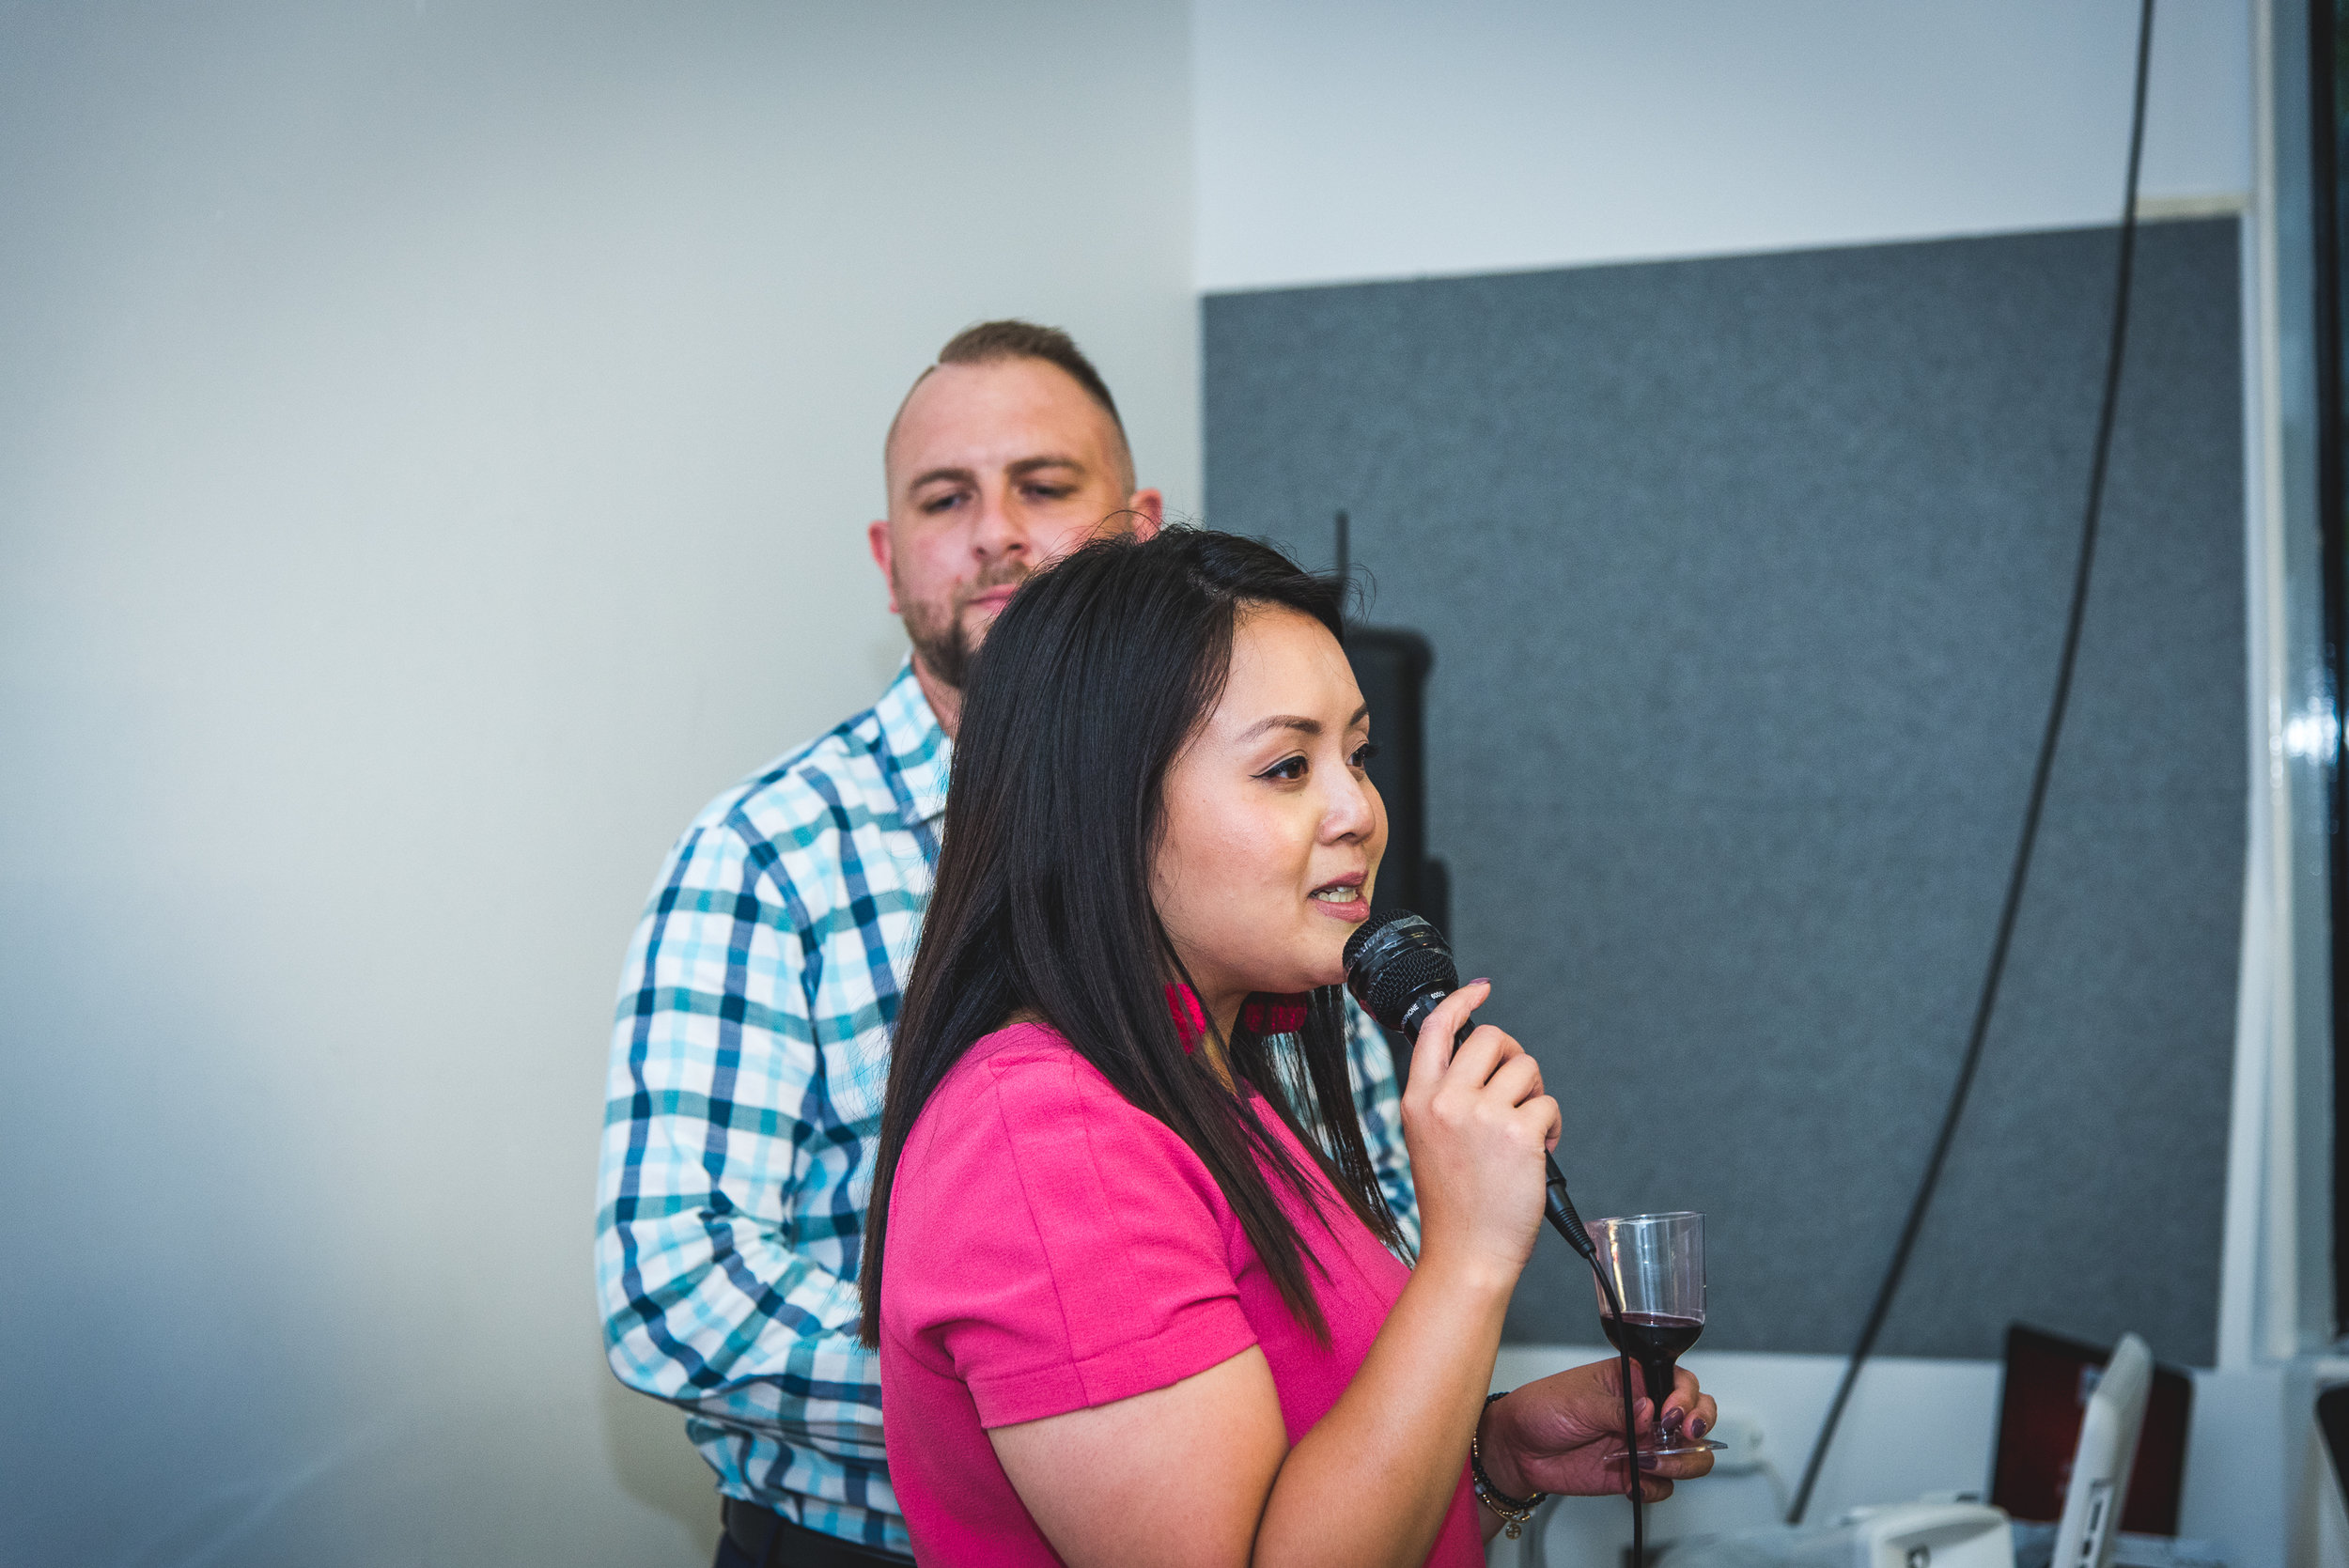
1477	1124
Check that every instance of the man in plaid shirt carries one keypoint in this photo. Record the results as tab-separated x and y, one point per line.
750	1052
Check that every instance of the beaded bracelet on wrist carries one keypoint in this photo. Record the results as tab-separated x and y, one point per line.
1514	1512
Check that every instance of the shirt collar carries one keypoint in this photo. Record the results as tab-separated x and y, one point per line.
1262	1013
915	743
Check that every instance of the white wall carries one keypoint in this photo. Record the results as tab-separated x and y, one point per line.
434	447
1379	138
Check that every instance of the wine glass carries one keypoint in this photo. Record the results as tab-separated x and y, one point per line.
1656	1264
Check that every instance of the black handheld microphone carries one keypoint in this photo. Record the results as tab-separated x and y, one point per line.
1399	968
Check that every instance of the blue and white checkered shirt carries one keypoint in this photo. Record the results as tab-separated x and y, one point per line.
749	1059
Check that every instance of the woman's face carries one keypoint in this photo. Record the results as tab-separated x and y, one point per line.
1272	830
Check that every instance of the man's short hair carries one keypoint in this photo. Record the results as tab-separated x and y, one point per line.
990	341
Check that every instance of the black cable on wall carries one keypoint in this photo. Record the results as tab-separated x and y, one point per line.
2327	68
1987	1002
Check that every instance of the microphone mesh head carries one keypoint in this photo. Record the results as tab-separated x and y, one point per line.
1392	963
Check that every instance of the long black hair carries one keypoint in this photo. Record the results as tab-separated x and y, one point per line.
1090	684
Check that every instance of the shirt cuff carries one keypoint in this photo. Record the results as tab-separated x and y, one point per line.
1203	1336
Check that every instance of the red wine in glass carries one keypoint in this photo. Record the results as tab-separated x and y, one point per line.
1656	1341
1655	1262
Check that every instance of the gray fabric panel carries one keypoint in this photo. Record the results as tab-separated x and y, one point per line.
1745	578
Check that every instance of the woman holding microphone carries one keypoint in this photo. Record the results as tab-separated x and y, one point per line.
1136	1295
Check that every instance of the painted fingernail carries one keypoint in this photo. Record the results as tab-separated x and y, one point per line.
1649	1461
1696	1429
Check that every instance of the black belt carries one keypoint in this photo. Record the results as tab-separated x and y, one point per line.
771	1541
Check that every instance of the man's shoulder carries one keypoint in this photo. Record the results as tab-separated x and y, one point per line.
816	779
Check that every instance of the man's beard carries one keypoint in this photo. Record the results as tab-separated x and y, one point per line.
942	639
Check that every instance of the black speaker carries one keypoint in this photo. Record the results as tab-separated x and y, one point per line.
1390	666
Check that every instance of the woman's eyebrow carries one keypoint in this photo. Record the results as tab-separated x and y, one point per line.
1301	724
1282	722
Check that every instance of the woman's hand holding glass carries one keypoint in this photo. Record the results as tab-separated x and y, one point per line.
1477	1123
1555	1436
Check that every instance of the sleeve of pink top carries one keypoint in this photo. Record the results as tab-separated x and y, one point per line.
1095	1267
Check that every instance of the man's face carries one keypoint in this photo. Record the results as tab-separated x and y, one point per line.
994	471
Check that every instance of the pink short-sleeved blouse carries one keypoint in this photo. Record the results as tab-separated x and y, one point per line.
1051	1248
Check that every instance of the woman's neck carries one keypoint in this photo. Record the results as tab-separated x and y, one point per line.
1223	1014
1225	1010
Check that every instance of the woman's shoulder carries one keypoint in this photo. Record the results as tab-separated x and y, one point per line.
1028	1062
1020	1043
1050	1245
1022	1096
1022	1078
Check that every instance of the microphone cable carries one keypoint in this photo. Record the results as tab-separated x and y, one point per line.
1972	1059
1400	968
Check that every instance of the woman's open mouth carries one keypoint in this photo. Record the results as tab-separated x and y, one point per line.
1343	898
